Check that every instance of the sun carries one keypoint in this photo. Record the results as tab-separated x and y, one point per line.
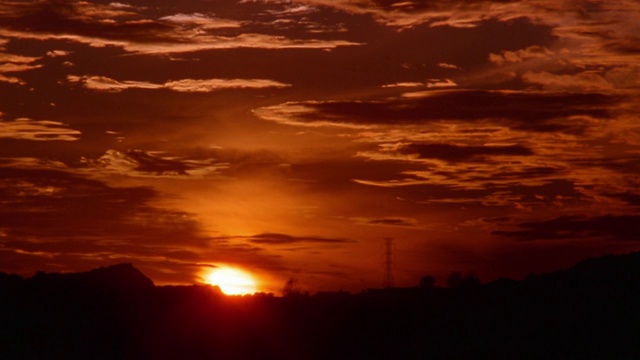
232	281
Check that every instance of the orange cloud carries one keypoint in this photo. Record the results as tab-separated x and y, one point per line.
12	63
138	163
200	20
190	43
102	83
517	56
37	130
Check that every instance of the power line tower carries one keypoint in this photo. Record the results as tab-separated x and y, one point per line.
388	263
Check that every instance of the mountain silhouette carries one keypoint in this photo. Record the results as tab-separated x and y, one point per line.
588	311
120	277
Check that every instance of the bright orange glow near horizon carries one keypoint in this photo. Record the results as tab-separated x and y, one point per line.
232	281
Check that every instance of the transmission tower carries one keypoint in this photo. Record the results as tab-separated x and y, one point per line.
388	263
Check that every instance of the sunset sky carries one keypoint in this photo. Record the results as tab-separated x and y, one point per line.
289	138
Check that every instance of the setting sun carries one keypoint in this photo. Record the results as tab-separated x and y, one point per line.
232	281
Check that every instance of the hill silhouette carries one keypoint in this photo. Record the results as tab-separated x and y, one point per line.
588	311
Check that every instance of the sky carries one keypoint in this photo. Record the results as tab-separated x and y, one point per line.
291	138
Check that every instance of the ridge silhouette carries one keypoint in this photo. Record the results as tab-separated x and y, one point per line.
588	311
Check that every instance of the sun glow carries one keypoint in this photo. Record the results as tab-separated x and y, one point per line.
232	281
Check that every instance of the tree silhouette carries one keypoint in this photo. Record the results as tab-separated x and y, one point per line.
459	281
427	282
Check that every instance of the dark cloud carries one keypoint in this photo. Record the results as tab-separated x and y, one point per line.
613	227
154	164
152	29
462	153
142	163
55	219
283	239
391	221
57	204
37	130
628	197
527	110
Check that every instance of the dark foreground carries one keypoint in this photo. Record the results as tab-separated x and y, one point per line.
591	311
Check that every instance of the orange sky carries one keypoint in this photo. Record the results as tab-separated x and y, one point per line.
289	138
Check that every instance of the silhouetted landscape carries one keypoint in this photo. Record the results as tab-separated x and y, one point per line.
587	311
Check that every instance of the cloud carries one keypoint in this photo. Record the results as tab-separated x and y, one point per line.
461	153
432	83
102	83
293	9
611	227
56	217
507	56
491	176
8	58
74	12
391	221
630	198
534	111
577	18
592	39
57	53
12	63
77	207
283	239
448	66
404	84
200	20
37	130
208	85
407	14
138	163
11	68
11	80
138	30
207	42
587	81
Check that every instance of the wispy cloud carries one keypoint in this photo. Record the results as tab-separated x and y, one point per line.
388	221
11	80
37	130
283	239
450	152
432	106
612	227
102	83
138	163
138	30
13	63
200	21
432	83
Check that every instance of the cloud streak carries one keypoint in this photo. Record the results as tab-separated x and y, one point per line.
102	83
527	110
612	227
138	163
461	153
283	239
37	130
138	30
